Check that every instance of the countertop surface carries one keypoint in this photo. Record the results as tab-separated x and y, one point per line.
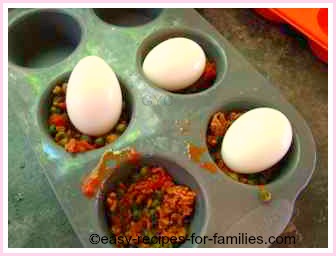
36	218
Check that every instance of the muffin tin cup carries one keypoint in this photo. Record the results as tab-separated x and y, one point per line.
162	126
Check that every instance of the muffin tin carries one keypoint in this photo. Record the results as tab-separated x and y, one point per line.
45	45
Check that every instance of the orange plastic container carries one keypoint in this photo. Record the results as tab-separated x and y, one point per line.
312	22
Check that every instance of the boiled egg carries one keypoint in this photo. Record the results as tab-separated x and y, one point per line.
175	64
257	140
93	98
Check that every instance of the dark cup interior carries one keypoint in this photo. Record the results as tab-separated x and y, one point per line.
42	38
127	17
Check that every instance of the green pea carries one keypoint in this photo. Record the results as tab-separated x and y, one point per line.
149	234
155	203
233	175
86	138
152	212
60	135
52	129
134	207
265	196
100	141
64	87
61	129
57	100
63	141
121	128
252	181
55	110
153	218
57	90
136	215
144	170
120	192
159	194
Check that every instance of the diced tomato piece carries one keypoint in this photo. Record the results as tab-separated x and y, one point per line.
210	71
58	120
62	105
75	146
89	188
133	157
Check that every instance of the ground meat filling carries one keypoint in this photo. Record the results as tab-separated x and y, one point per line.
150	204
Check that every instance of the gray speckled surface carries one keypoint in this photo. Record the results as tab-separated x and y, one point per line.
35	217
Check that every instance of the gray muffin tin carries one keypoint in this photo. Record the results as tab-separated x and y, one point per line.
45	45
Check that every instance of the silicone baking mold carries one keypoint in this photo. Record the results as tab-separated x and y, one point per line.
312	22
122	39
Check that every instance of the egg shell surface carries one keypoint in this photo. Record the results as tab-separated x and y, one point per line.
175	64
257	140
93	98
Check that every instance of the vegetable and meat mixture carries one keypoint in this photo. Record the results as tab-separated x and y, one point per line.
206	80
150	204
67	136
219	123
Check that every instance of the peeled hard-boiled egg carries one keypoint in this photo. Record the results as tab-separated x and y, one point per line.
257	140
175	63
93	98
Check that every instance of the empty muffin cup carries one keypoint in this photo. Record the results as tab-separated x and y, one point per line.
127	17
42	38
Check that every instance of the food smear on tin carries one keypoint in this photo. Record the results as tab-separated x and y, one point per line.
94	179
194	152
264	195
211	167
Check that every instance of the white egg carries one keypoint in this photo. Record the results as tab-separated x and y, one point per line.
175	63
257	140
93	98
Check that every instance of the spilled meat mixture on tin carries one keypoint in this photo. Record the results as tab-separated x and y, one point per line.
219	124
150	204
